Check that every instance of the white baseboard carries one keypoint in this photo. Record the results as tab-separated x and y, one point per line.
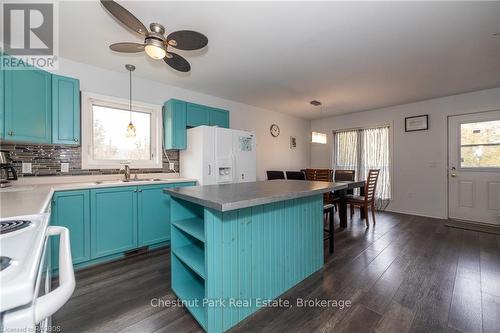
415	213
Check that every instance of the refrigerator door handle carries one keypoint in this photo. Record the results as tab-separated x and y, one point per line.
210	169
235	170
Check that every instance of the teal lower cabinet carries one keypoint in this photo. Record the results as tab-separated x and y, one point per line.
154	215
71	209
227	265
106	222
113	220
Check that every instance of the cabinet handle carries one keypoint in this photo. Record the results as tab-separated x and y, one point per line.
11	133
140	190
76	140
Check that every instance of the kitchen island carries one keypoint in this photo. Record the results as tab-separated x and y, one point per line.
237	247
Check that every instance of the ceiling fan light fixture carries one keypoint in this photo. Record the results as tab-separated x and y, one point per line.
155	48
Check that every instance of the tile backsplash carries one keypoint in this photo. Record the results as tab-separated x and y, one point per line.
46	160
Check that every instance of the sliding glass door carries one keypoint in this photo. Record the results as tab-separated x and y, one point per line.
363	149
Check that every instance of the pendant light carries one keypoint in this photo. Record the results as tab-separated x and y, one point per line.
130	128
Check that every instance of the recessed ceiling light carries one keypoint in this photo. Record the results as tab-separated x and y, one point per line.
315	103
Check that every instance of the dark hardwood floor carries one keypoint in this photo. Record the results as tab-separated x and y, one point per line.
406	274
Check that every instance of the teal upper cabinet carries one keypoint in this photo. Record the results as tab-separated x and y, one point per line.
154	214
174	120
113	220
65	110
179	115
71	209
197	115
219	118
2	108
28	105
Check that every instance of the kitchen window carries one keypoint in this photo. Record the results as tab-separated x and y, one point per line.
105	143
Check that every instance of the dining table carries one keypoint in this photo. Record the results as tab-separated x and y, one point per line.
342	195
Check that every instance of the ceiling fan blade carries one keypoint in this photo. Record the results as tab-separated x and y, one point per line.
125	17
127	47
177	62
187	40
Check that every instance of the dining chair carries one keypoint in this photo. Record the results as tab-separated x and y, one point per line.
275	175
295	175
368	200
344	175
325	175
328	213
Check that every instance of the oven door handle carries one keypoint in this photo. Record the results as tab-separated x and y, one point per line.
48	304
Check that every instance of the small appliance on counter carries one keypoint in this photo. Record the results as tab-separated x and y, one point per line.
25	273
217	155
7	171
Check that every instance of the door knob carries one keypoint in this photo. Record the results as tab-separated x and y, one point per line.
453	175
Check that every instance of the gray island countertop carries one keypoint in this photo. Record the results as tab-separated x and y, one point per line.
227	197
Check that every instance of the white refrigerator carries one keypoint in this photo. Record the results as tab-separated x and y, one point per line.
217	155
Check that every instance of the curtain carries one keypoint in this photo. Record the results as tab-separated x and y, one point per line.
364	149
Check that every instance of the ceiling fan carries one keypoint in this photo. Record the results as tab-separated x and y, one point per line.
156	45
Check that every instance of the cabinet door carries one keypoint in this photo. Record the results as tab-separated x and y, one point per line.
113	220
71	209
65	110
174	118
197	115
154	214
219	118
28	106
2	107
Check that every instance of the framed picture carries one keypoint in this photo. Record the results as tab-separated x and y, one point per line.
417	123
293	142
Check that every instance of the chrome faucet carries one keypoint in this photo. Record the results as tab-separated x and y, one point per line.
126	175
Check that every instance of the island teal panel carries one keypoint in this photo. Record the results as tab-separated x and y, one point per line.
71	209
65	110
258	253
113	220
28	106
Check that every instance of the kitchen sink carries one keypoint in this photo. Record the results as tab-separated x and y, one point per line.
129	181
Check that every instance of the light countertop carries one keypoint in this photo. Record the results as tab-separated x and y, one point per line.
242	195
32	196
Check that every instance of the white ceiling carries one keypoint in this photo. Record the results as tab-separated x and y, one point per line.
352	56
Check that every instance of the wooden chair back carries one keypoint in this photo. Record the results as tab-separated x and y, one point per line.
321	175
275	175
344	175
371	185
296	175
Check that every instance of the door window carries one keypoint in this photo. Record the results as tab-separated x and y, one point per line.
480	144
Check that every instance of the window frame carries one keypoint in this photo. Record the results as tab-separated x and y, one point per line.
459	151
88	162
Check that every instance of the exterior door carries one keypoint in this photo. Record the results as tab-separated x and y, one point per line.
474	167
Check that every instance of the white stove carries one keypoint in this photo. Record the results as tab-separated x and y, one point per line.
25	272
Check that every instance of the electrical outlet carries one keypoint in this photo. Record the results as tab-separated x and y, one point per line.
171	166
26	167
64	167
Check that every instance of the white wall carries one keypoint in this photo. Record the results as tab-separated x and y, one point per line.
419	158
272	153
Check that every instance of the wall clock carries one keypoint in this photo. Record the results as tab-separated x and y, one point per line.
275	130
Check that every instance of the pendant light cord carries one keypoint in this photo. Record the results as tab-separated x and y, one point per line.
130	95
